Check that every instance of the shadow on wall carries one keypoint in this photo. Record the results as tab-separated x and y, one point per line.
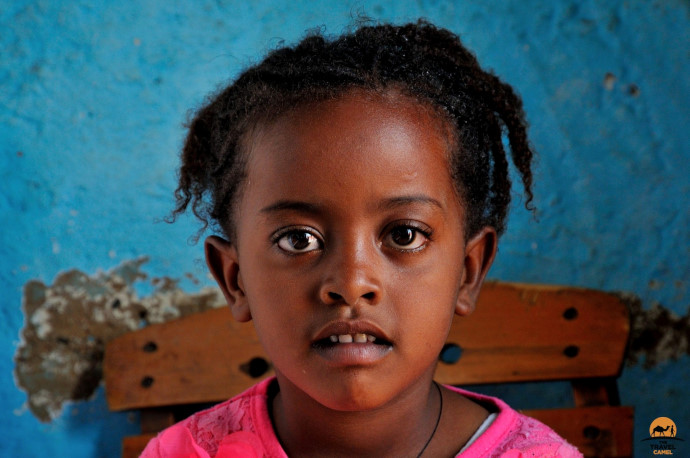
68	323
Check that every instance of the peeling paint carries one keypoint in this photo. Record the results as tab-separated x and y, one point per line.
657	334
68	323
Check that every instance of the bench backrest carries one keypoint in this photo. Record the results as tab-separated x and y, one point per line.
518	332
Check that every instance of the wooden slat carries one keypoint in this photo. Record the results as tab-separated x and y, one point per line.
193	360
517	333
132	446
596	431
521	333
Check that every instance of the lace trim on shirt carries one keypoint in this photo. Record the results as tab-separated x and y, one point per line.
209	430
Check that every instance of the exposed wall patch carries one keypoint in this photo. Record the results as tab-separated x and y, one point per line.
68	323
656	334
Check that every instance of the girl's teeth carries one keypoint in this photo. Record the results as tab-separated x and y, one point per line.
349	338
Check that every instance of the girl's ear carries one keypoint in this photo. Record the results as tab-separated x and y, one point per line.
480	251
221	258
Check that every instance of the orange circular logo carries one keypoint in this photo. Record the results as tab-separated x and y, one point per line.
662	427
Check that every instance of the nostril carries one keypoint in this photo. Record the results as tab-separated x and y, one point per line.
337	298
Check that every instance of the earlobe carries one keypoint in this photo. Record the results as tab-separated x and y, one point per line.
222	261
480	252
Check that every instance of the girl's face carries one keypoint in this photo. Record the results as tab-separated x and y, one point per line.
349	229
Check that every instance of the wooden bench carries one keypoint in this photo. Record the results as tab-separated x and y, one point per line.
518	333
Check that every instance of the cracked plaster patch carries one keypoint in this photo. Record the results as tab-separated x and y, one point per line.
656	335
68	323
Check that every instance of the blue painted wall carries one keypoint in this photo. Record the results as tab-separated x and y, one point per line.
93	96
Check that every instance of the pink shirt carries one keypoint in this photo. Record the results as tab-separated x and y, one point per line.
241	427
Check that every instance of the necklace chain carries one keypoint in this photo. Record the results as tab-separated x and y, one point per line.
438	420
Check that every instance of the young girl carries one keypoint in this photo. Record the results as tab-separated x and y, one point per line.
360	186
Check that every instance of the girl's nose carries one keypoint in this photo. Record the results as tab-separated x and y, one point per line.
352	275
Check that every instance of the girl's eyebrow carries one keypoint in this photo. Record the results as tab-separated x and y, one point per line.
401	201
294	205
385	204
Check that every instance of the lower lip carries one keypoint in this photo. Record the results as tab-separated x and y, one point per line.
353	354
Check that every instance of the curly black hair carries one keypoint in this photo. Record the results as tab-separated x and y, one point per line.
418	59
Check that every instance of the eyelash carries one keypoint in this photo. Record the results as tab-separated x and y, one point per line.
416	228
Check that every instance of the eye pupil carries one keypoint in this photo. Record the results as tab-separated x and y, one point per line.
300	240
403	236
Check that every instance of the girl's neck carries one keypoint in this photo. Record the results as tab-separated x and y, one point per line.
400	428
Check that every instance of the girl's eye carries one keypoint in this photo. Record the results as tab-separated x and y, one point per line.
298	241
407	238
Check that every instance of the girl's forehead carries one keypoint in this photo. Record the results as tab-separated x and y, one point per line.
354	146
353	118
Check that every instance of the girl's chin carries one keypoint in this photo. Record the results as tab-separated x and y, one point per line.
353	393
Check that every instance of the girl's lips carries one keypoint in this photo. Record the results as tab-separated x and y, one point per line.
352	354
351	343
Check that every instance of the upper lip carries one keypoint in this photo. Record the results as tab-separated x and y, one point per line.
341	327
